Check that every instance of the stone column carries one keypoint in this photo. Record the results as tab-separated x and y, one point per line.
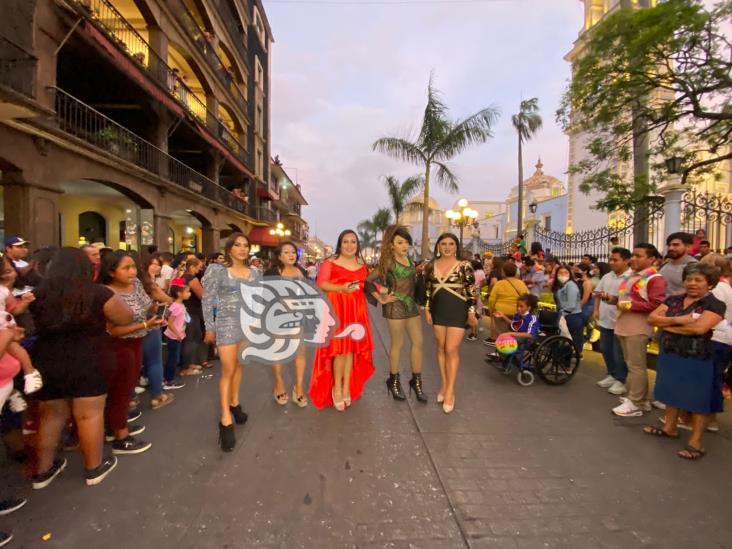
161	232
214	162
157	59
672	193
210	240
530	230
32	212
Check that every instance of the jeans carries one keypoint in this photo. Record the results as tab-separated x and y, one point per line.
613	354
152	360
171	365
575	325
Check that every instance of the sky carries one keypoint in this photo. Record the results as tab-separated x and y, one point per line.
345	74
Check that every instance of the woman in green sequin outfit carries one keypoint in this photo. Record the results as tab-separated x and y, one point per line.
394	283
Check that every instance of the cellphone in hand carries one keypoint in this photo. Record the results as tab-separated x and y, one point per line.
353	285
162	309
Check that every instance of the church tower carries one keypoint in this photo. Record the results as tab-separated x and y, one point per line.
580	215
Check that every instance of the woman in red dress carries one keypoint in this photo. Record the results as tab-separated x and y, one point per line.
341	368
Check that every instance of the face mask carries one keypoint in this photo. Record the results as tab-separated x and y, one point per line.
563	279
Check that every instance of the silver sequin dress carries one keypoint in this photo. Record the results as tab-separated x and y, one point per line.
222	303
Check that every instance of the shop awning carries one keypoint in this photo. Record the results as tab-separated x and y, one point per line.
261	236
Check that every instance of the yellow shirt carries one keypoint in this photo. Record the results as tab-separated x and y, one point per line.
505	294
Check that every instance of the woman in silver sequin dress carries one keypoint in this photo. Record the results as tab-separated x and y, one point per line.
222	290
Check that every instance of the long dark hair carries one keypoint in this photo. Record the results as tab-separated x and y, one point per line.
66	293
340	241
230	244
556	285
277	262
144	275
443	236
386	261
110	263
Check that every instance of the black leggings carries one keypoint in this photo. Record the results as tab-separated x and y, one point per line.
194	349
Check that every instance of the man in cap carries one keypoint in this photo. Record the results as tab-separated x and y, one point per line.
16	248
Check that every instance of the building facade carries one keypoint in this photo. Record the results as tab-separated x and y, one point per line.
134	122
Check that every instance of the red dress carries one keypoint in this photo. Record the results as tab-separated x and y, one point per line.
347	308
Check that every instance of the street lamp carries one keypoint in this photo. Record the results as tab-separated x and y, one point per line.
673	165
280	231
533	206
462	218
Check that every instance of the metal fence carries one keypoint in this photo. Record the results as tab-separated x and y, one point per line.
599	242
710	212
82	121
263	214
118	29
17	67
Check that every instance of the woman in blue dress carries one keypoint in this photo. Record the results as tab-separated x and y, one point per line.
222	289
685	375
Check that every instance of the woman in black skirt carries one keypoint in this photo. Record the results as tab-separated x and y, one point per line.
450	306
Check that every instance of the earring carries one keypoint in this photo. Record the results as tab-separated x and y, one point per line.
438	254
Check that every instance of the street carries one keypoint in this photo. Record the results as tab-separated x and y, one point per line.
512	467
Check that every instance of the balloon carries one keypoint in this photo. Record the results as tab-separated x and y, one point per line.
506	344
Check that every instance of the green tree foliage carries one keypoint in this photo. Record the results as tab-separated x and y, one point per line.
663	74
526	123
439	140
401	191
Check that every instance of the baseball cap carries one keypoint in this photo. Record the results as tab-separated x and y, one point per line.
14	241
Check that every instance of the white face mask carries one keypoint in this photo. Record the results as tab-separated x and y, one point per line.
563	279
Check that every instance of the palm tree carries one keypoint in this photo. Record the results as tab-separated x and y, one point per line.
526	123
381	220
439	140
366	233
401	192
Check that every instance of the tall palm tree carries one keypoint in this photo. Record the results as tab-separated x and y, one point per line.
366	233
440	139
381	220
401	192
526	123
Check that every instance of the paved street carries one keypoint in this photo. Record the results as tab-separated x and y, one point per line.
512	467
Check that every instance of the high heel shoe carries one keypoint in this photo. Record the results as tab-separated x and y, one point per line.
337	404
448	408
301	400
394	387
227	437
415	384
239	415
440	398
347	400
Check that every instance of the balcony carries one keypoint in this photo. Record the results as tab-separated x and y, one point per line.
263	214
105	16
229	16
202	41
82	121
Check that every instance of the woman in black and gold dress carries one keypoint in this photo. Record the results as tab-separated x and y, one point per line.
449	308
394	284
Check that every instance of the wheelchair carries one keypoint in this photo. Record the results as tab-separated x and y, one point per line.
551	356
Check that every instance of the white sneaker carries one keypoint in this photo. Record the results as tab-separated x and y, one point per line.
646	407
139	390
627	409
606	382
33	382
617	388
143	382
658	404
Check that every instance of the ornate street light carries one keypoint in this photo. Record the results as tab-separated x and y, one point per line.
533	206
462	218
280	231
673	165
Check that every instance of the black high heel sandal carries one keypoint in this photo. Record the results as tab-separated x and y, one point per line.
415	384
394	387
239	415
227	437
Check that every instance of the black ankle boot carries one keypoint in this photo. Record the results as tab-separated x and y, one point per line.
415	384
394	386
239	415
227	437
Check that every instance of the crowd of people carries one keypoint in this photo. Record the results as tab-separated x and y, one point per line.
88	331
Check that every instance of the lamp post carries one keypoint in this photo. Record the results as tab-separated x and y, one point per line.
461	218
280	231
673	192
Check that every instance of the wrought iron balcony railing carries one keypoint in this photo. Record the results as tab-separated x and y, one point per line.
121	31
17	67
82	121
263	214
237	34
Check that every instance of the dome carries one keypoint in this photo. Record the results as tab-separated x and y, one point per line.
419	200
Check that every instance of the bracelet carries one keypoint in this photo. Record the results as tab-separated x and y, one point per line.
144	323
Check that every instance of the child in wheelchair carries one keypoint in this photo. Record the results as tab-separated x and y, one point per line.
525	329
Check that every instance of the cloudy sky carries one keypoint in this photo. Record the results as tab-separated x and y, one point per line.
346	73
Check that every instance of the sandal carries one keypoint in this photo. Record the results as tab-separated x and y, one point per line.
656	432
713	428
207	365
281	399
190	371
301	400
680	424
164	400
691	453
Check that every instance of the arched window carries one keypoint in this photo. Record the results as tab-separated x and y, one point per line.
92	227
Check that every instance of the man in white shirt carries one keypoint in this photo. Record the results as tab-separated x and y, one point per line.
605	315
166	271
16	248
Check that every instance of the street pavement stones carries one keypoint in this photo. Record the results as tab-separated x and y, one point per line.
511	467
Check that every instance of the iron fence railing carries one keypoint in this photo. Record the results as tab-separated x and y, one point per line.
17	67
710	212
230	17
121	31
82	121
599	242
